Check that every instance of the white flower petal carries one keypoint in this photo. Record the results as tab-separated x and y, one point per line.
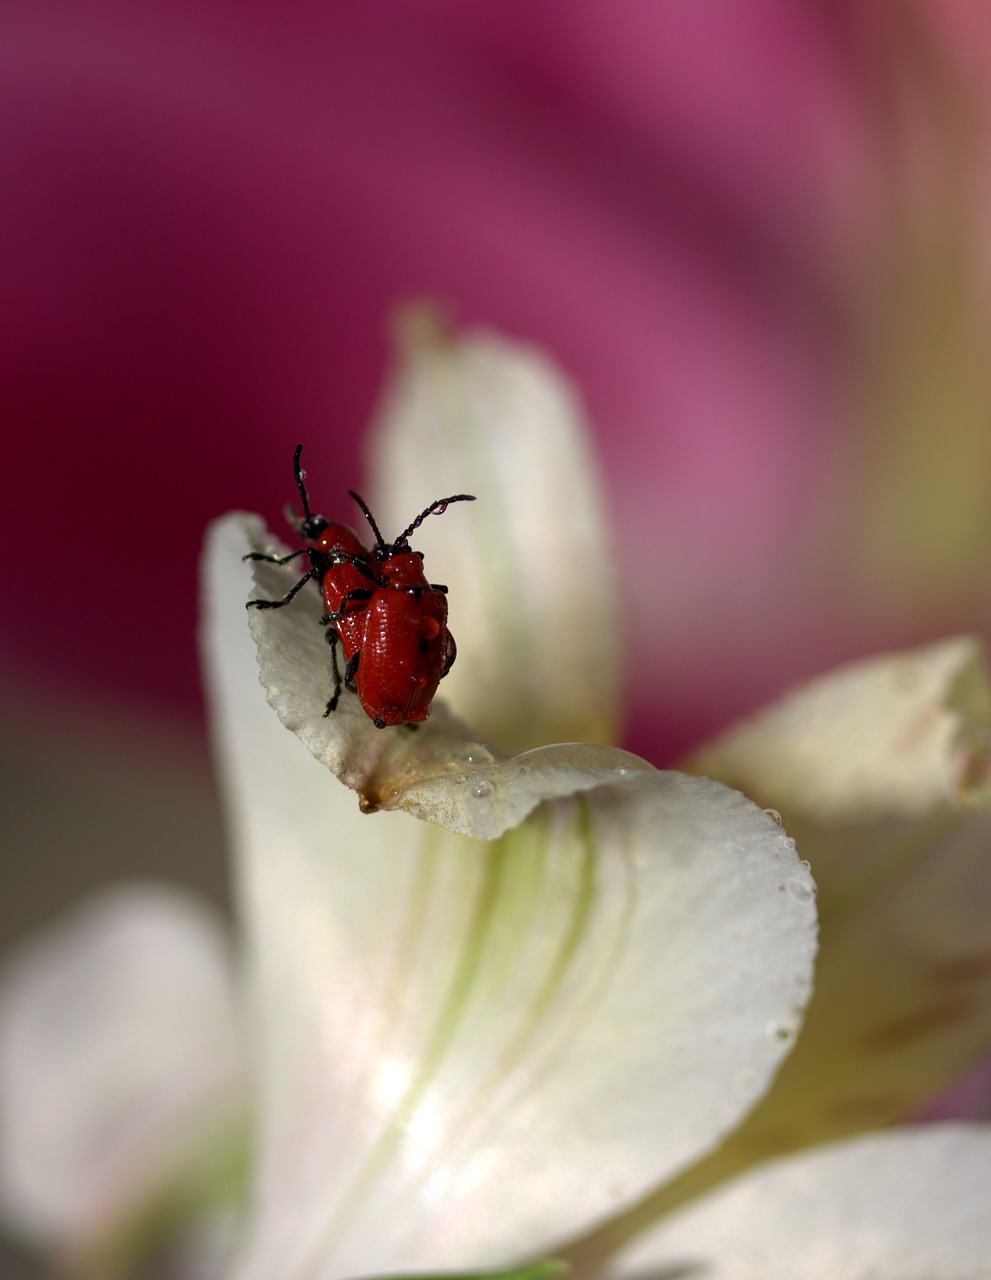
900	848
440	773
473	1050
119	1045
892	735
903	1205
534	603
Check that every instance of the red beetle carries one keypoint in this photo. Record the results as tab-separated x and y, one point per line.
389	620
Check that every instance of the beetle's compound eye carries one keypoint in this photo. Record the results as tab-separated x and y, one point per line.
312	527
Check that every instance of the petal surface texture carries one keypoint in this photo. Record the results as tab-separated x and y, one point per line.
471	1050
903	1205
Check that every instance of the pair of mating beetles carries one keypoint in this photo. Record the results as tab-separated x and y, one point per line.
390	622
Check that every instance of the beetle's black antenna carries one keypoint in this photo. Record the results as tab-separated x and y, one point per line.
298	471
369	517
435	508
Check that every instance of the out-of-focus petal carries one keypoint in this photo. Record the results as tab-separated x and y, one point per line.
120	1052
895	826
470	1050
885	1207
534	600
528	1271
889	736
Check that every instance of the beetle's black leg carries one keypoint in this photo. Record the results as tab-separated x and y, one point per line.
335	696
262	555
359	593
359	562
438	586
351	669
277	604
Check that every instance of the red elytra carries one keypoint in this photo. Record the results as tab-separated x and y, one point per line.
390	622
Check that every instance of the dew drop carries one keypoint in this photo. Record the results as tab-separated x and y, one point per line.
801	889
440	508
621	769
525	768
482	789
462	777
774	816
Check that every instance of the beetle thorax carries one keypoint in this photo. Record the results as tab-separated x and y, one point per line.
404	571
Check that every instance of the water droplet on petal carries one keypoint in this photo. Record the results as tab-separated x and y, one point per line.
774	816
525	768
482	789
802	889
462	777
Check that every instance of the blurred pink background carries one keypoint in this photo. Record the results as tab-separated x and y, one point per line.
755	233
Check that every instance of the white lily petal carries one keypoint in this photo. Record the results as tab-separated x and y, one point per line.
119	1046
473	1050
534	605
441	773
901	851
903	1205
890	735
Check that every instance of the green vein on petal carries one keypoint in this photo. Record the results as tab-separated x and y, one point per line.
502	914
544	1058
